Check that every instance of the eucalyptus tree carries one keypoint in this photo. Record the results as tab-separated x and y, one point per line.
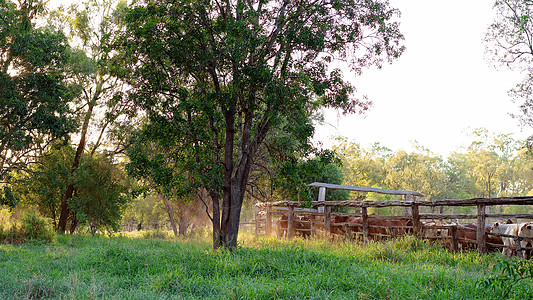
220	79
509	41
33	97
92	27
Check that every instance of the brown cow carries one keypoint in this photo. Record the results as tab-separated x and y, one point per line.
467	239
380	228
301	227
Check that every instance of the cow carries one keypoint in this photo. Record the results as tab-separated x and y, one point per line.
434	234
507	229
301	226
379	228
526	232
467	238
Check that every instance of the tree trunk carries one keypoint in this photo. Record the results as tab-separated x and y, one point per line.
217	232
65	210
170	215
184	220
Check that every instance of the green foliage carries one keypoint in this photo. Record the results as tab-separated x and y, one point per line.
514	280
224	84
295	175
36	229
509	42
33	97
32	229
8	198
492	166
45	186
101	188
101	192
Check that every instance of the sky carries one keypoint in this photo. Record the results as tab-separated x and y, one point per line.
439	90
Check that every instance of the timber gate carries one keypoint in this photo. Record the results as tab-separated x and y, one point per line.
285	216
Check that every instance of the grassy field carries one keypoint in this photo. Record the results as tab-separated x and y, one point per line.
147	267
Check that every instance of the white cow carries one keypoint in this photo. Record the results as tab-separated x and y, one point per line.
526	231
507	229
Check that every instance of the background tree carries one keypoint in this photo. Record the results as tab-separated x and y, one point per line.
101	188
509	41
33	97
45	185
215	78
92	27
101	193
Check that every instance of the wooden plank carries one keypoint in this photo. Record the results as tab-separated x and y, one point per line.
511	216
268	224
257	221
364	215
455	242
407	209
416	220
363	189
523	200
519	252
447	216
481	228
468	202
290	223
327	220
321	198
296	209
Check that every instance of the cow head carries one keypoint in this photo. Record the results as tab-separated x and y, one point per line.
494	226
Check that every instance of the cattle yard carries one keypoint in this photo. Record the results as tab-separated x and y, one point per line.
351	219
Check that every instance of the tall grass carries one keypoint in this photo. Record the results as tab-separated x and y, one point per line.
134	267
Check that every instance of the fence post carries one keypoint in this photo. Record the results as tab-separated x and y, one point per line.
364	216
519	251
481	228
416	219
455	242
327	220
257	223
268	220
408	210
290	223
321	197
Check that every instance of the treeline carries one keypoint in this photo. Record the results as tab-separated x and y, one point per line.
493	165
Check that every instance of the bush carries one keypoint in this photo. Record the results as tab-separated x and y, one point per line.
32	229
513	280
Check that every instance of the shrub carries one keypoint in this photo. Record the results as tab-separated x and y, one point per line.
34	228
513	280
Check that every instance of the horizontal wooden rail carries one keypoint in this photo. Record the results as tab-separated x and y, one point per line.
525	200
363	189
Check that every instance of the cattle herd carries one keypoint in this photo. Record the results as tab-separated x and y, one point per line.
453	236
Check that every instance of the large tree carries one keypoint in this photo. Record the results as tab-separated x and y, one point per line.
92	28
222	81
509	41
33	97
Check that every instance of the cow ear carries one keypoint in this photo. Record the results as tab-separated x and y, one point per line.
496	224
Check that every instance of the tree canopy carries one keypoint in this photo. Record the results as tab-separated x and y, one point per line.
222	81
33	96
509	41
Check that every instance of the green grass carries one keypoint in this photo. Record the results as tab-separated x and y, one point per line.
268	268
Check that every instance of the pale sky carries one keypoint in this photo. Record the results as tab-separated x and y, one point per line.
440	89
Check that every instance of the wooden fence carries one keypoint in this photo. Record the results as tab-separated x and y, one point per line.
267	212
